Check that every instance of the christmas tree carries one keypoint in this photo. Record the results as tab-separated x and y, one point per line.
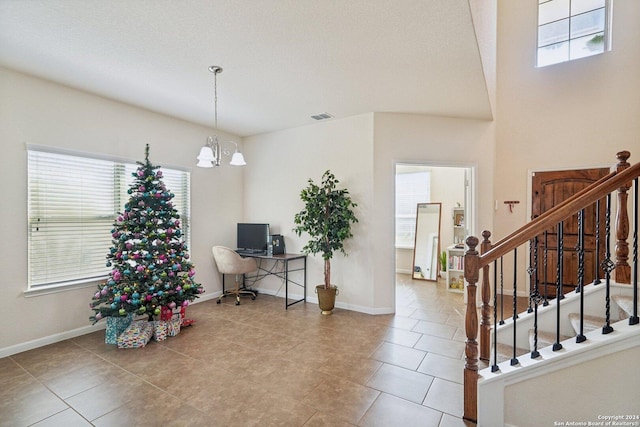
151	267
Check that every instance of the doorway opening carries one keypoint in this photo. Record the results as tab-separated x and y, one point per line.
453	187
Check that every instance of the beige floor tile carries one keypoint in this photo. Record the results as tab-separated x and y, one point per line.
443	367
322	419
152	409
24	401
399	355
256	364
66	418
400	382
402	337
445	396
440	346
435	329
392	411
346	400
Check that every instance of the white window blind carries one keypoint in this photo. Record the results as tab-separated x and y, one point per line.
411	189
72	203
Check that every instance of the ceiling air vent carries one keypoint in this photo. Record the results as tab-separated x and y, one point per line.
321	116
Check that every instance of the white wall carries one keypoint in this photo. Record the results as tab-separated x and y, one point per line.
282	162
572	115
614	394
362	151
39	112
408	138
448	189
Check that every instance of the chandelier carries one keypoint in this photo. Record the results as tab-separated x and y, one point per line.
211	154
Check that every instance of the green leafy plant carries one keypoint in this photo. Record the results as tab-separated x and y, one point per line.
327	218
443	261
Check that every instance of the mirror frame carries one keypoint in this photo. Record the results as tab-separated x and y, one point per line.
415	243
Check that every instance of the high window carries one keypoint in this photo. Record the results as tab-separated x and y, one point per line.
572	29
73	200
411	188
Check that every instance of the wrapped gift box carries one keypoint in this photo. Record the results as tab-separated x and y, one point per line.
137	334
173	325
160	330
116	326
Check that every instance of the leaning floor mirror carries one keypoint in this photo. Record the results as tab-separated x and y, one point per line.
427	242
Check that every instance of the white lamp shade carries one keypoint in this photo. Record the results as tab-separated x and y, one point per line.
206	154
204	164
237	159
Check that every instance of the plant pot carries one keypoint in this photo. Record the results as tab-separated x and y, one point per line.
326	298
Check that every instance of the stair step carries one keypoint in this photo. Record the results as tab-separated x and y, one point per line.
626	305
505	352
545	339
591	323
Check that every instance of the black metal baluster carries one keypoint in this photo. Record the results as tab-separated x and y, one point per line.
544	265
501	292
559	273
607	267
494	367
535	297
633	319
514	360
580	337
596	278
530	273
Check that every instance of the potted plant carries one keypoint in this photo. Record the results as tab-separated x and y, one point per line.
443	262
327	217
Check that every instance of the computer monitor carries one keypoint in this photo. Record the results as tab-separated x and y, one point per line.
252	237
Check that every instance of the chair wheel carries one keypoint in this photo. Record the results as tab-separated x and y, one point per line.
253	297
237	302
218	302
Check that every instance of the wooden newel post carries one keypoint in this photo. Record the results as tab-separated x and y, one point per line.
471	273
623	270
485	289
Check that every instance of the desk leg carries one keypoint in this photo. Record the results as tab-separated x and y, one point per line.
305	279
286	284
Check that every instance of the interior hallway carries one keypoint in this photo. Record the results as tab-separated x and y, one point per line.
256	365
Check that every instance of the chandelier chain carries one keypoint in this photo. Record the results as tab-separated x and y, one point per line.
215	98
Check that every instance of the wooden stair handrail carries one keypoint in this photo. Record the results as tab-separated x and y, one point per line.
560	212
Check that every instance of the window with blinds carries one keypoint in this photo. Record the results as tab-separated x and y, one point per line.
72	203
411	188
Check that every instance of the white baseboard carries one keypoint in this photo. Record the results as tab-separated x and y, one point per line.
51	339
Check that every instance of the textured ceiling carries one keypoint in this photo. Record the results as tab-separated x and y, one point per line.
283	60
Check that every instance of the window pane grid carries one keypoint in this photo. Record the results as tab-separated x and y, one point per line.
571	29
73	201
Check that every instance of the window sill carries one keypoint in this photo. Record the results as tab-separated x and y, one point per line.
54	289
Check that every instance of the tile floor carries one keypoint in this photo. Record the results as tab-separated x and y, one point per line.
256	365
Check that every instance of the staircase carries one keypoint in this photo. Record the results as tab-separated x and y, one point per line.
570	358
578	382
546	338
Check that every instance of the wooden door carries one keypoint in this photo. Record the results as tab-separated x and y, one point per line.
549	189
